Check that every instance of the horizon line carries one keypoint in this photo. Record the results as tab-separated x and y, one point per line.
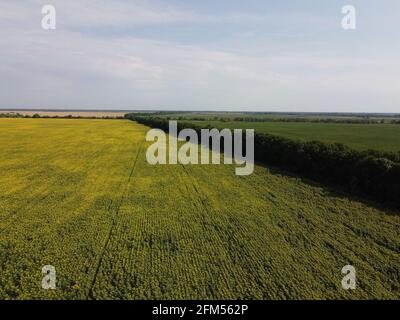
197	111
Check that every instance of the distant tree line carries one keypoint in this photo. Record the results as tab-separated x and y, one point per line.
37	116
371	174
288	119
339	118
13	115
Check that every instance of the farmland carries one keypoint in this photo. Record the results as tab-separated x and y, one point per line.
382	137
79	195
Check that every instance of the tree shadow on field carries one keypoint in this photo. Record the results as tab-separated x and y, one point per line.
332	191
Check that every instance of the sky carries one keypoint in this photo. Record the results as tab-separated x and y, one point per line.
253	55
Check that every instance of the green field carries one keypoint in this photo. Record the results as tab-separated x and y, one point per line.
383	137
79	195
230	115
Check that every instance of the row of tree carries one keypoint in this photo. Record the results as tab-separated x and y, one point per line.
371	174
13	115
38	116
288	119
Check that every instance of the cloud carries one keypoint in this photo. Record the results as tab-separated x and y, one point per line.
117	13
70	68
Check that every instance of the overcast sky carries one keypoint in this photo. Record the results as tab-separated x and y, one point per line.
253	55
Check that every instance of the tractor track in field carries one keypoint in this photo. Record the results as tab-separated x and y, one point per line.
195	189
221	241
208	208
113	224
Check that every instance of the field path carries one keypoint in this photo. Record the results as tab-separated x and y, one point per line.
114	221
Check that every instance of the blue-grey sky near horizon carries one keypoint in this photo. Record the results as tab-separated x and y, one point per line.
255	55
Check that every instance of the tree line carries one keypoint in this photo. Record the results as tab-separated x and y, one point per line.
38	116
370	174
289	119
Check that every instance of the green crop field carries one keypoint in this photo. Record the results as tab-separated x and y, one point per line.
383	137
231	115
79	195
